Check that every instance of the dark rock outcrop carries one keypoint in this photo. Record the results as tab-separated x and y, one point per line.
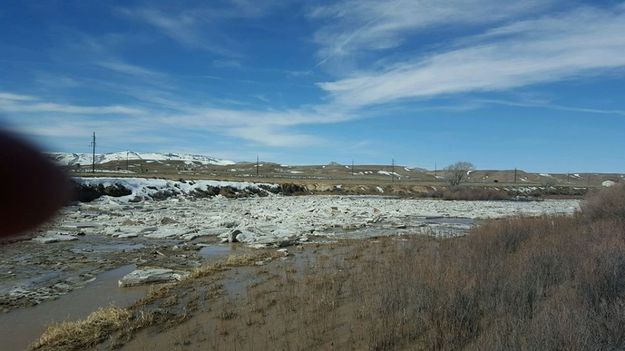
88	193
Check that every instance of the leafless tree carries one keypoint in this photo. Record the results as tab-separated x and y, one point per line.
458	172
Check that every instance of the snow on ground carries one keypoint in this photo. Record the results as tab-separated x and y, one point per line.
608	183
386	173
70	159
259	221
147	187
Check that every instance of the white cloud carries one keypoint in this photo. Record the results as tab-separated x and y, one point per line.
272	128
126	68
359	25
276	137
547	49
265	127
200	27
15	97
178	27
552	106
14	103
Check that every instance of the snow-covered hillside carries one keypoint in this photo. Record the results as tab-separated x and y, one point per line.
70	159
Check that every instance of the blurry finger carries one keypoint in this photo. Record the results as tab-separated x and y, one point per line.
32	188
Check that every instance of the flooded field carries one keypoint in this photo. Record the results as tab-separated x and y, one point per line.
73	266
19	328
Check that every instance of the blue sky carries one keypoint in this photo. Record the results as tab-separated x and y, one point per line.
537	85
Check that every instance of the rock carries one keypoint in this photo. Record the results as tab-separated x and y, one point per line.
189	237
165	232
150	276
232	236
126	235
292	189
88	193
167	220
163	194
246	236
285	252
53	238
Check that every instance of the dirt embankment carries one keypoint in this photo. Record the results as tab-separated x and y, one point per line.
89	192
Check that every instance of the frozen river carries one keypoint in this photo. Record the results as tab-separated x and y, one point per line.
265	220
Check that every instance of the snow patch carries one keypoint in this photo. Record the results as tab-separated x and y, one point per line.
386	173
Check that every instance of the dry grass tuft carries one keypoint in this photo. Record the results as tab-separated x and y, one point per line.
240	260
85	333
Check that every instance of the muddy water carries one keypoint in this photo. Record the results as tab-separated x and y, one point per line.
19	328
212	252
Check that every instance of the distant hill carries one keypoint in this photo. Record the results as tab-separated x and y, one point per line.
71	159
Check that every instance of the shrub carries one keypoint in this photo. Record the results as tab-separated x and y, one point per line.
605	203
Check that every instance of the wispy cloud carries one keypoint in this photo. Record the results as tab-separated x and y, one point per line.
276	137
10	102
552	106
181	27
580	42
126	68
272	128
354	26
15	97
201	27
265	127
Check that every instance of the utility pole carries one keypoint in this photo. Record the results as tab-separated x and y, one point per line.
93	154
352	168
257	165
393	170
126	160
435	170
515	176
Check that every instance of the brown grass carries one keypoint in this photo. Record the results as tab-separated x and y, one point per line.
548	283
85	333
471	193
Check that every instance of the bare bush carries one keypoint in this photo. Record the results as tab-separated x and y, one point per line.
458	172
606	203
